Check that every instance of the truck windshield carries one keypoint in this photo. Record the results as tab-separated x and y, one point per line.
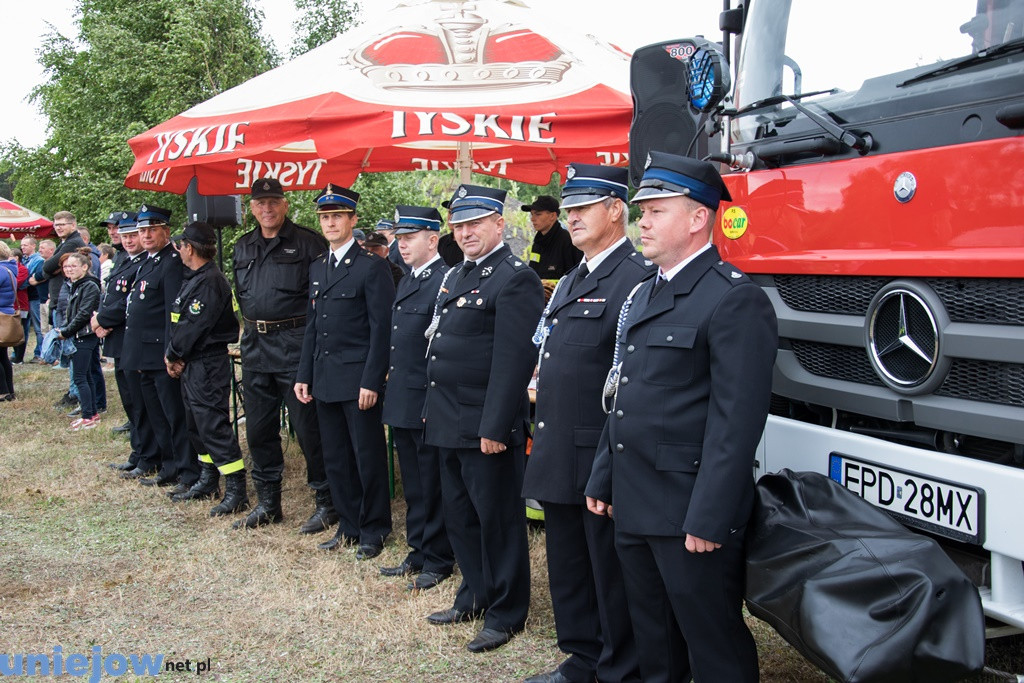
798	47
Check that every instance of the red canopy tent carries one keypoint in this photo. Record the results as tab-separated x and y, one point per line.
17	222
439	82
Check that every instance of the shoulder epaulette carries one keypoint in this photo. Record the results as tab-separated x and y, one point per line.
730	272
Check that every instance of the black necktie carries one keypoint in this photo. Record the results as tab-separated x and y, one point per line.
333	261
467	268
582	271
658	284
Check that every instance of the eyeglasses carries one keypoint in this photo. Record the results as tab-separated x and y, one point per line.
62	225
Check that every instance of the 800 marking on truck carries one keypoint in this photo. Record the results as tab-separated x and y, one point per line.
940	507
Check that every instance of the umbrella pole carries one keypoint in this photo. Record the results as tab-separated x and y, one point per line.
464	162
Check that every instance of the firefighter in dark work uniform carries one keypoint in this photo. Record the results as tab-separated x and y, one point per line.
272	286
203	323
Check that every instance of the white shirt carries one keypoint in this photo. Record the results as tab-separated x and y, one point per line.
416	271
341	251
485	256
675	269
596	261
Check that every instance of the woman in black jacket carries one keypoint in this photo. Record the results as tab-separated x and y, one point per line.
83	302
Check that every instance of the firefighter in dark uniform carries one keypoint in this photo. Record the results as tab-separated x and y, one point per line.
147	329
552	253
694	355
203	323
343	366
430	555
108	323
576	337
477	412
387	228
271	265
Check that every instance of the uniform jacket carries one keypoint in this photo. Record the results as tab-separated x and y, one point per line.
553	255
148	313
482	357
51	266
677	451
203	319
272	283
574	362
83	302
114	302
407	373
348	325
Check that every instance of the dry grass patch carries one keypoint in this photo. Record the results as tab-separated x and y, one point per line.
87	559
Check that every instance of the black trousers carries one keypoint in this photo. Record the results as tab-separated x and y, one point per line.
206	390
166	412
486	520
588	596
355	459
145	449
686	609
124	393
263	392
425	532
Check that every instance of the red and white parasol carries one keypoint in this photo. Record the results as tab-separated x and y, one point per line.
16	221
475	75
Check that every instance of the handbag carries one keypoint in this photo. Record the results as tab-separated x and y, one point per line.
11	331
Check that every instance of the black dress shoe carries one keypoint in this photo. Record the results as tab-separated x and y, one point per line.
137	473
126	427
368	551
426	581
489	639
339	541
159	480
404	569
550	677
178	488
453	616
121	466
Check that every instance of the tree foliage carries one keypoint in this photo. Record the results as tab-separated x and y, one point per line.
320	21
132	65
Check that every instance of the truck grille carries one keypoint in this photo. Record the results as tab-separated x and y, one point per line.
847	363
992	301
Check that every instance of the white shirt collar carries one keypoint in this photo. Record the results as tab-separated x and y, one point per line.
416	271
488	254
678	267
342	250
593	263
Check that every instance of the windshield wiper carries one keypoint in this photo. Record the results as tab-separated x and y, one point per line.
986	55
779	99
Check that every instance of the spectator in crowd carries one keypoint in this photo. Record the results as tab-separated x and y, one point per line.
387	229
8	302
83	302
552	254
107	254
47	248
21	305
376	243
66	227
93	249
343	365
34	263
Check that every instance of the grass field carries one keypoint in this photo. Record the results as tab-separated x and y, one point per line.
89	560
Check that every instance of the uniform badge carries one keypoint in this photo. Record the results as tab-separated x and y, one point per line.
143	209
142	286
266	186
288	251
735	275
462	192
486	271
398	216
479	302
517	264
461	302
647	164
425	273
196	307
571	173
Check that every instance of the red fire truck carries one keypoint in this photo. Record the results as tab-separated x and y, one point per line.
878	187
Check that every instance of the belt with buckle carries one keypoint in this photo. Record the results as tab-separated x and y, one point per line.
264	326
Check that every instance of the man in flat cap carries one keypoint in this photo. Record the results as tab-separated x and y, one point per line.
477	412
693	374
147	329
203	323
112	345
430	555
553	253
377	243
343	365
576	337
271	265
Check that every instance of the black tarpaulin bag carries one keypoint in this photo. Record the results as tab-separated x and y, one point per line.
857	593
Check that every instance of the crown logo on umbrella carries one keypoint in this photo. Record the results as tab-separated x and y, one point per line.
461	52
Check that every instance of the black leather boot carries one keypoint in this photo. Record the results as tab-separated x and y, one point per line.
324	515
235	499
207	486
267	510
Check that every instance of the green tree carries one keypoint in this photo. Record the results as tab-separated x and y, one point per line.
320	21
132	65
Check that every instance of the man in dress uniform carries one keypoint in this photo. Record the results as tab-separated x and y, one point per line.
147	329
112	224
271	265
694	358
203	323
343	366
577	338
430	555
108	323
477	412
553	253
387	229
